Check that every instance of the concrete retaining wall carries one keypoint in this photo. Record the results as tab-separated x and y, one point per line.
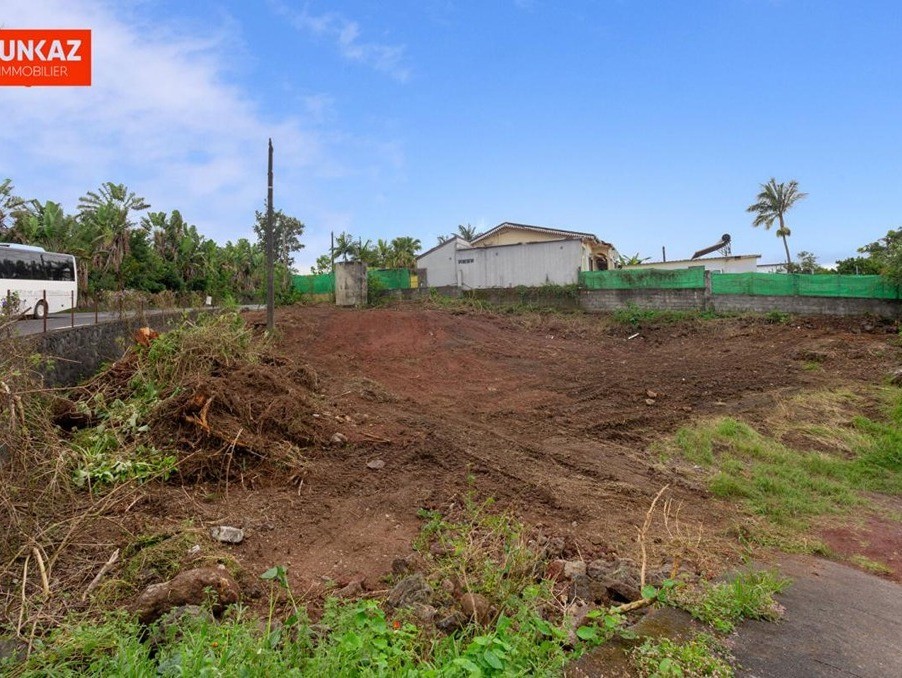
350	283
699	300
78	352
659	300
841	306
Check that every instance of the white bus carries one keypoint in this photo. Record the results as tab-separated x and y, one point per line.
36	282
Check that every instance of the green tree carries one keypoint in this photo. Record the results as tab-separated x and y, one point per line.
344	246
858	266
322	265
108	213
404	252
9	205
887	253
634	260
467	232
806	262
772	204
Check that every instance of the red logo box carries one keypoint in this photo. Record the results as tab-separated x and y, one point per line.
45	57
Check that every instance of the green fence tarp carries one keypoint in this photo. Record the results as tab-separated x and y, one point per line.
391	278
651	279
314	284
820	285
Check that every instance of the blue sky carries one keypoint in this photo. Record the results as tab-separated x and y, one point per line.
649	123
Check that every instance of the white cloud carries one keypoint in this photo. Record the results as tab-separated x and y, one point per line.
388	59
163	117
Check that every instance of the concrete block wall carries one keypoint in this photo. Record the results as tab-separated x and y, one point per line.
839	306
659	300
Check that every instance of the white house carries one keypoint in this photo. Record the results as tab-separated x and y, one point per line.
511	255
741	263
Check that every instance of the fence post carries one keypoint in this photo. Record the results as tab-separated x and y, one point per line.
96	310
46	310
72	307
708	298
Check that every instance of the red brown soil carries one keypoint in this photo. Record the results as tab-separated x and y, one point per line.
552	416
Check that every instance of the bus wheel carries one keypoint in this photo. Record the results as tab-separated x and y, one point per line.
40	310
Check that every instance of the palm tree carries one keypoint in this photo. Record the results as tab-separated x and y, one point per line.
107	212
466	232
773	202
344	246
405	250
9	204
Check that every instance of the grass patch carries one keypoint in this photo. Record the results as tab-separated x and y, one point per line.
788	486
872	566
703	655
486	552
634	316
749	595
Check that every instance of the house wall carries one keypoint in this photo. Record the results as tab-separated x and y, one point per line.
515	237
745	263
440	265
530	265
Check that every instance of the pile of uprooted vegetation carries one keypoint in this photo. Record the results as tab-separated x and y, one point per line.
205	401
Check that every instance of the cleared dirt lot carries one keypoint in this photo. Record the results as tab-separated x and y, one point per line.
553	416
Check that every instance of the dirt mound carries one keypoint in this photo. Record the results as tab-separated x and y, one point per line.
252	412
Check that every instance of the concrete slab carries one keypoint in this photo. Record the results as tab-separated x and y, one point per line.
839	622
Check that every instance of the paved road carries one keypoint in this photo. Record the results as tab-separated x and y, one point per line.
60	321
839	622
64	320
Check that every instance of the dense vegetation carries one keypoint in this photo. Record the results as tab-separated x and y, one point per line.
120	244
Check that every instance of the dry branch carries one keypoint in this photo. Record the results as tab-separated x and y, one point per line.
103	570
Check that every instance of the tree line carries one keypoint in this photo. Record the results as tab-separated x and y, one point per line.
119	243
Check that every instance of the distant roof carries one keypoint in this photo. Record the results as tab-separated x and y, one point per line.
647	264
537	229
451	238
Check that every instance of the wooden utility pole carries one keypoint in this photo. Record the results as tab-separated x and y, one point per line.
270	258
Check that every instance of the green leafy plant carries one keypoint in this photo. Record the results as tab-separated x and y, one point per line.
748	595
666	658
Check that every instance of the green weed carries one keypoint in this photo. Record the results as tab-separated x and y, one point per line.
788	486
872	566
666	658
749	595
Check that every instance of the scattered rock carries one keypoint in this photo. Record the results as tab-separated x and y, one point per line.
425	613
452	622
352	589
573	568
555	570
598	593
896	378
475	606
438	550
554	547
652	395
410	590
400	566
375	464
175	617
227	535
13	649
194	550
448	586
580	589
649	401
192	587
576	617
338	439
623	592
600	569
